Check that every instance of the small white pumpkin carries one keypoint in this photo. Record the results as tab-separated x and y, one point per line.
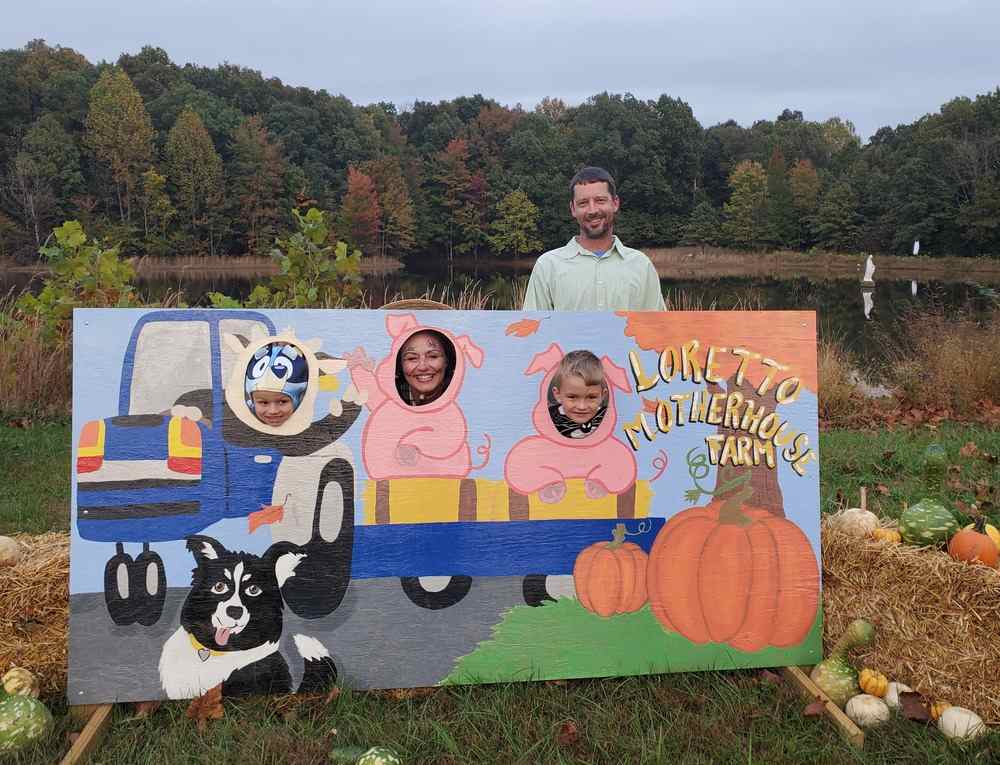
961	724
10	552
892	694
867	710
855	521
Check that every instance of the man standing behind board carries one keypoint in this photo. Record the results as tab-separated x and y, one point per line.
594	271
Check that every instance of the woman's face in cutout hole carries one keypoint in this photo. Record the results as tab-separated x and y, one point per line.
424	363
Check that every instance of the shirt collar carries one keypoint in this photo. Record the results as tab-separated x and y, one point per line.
574	248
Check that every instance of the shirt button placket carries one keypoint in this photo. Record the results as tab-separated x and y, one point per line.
602	293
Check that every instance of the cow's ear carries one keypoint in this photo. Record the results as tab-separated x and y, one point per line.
285	558
205	548
234	342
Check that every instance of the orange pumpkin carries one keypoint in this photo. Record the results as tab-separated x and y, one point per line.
974	544
736	574
610	577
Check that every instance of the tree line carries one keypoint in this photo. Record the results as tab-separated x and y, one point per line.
171	160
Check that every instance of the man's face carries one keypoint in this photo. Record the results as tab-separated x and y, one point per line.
594	208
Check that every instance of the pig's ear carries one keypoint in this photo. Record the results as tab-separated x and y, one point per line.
615	374
470	349
398	324
545	360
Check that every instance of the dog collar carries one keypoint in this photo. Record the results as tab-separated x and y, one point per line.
203	652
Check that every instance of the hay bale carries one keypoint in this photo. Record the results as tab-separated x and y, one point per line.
937	620
34	610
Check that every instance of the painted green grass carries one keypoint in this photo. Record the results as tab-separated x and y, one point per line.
563	639
34	477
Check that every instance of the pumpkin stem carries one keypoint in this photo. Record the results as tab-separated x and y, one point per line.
617	536
730	512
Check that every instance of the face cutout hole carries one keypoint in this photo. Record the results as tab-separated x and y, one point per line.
275	382
578	396
424	367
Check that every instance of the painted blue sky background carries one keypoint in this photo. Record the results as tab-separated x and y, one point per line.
874	63
497	399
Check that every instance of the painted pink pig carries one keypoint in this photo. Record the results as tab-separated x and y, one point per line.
404	441
542	463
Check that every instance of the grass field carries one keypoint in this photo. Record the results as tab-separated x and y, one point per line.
741	716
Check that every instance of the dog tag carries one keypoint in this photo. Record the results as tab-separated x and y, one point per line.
204	654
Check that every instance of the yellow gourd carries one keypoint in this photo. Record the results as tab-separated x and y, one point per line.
892	536
873	682
19	681
937	708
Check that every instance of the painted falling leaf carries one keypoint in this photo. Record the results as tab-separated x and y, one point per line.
523	328
267	514
206	707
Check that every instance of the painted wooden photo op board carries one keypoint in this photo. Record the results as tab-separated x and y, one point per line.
271	500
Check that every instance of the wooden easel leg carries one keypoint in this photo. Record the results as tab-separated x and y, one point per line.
90	737
811	692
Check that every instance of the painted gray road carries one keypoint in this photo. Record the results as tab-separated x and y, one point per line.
377	637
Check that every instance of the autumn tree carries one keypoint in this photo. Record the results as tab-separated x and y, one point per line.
515	228
744	213
120	134
464	198
837	223
257	184
195	170
359	213
397	227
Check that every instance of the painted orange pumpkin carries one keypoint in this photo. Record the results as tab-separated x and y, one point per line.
610	577
736	574
974	544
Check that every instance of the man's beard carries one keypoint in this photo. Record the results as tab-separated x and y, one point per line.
604	230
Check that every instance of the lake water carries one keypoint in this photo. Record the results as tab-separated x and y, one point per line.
842	306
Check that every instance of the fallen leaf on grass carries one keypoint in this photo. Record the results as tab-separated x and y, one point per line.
769	677
144	709
568	734
969	450
72	736
815	709
914	707
333	695
206	707
882	489
21	423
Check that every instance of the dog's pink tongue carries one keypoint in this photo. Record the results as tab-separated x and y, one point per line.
221	635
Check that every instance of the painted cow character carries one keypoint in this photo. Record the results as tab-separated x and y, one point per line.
544	462
409	437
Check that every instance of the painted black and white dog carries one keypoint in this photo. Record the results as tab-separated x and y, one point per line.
231	625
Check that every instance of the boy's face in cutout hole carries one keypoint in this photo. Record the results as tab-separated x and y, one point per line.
578	400
272	408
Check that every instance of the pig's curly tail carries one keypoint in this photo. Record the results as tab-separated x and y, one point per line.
484	450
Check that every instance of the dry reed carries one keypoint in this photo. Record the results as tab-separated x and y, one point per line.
35	374
34	610
937	620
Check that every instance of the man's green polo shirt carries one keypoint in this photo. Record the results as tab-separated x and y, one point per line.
572	278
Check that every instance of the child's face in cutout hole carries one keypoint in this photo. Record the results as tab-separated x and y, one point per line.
272	408
578	400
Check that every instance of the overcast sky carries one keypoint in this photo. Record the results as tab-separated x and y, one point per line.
874	62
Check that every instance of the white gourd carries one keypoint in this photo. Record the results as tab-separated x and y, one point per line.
962	724
867	710
857	522
892	694
10	552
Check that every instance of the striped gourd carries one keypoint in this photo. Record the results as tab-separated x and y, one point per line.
927	523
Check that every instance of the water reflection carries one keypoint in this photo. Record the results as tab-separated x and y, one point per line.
867	294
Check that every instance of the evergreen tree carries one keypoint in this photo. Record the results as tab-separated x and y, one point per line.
157	212
703	226
515	229
195	169
120	134
744	214
804	184
780	209
837	218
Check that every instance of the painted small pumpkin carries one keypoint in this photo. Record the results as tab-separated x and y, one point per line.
972	545
610	577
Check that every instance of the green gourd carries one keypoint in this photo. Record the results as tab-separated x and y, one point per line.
380	755
927	523
834	675
24	721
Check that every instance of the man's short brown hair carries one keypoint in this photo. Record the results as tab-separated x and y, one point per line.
592	175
